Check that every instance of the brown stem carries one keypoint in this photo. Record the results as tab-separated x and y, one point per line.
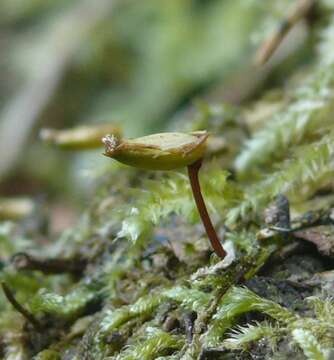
23	261
17	306
266	50
193	170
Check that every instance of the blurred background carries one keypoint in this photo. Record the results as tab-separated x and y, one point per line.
145	66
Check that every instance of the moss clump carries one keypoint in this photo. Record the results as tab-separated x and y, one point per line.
165	294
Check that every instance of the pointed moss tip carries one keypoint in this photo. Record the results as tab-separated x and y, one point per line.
47	135
111	142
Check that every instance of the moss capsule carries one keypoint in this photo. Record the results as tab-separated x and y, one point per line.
168	151
79	138
164	151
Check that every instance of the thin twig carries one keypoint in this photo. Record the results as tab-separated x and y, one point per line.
24	312
193	170
266	50
23	261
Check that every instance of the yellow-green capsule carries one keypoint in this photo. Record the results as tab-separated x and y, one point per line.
15	208
79	138
164	151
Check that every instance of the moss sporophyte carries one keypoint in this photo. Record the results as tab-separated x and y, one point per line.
79	138
168	151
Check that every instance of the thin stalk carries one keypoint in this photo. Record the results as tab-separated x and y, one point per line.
300	11
17	306
193	171
23	261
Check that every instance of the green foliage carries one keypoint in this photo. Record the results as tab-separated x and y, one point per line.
170	194
156	200
323	309
143	308
190	299
10	325
8	232
164	300
309	169
307	116
155	344
242	336
48	355
239	300
309	344
68	306
310	334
